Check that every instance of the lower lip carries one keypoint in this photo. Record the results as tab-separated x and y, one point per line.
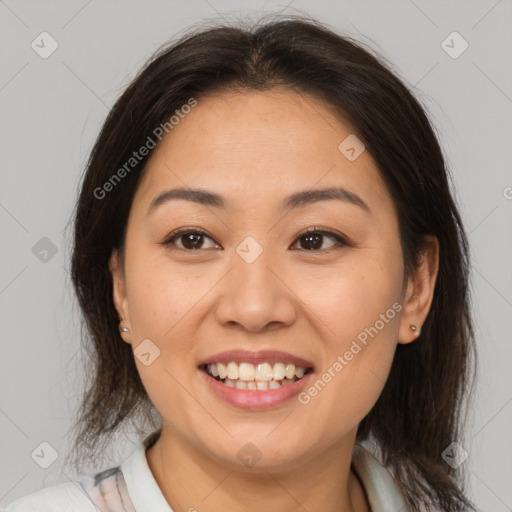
256	400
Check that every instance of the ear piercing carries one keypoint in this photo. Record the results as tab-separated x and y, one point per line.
415	329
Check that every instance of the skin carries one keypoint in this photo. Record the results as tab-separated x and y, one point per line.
255	148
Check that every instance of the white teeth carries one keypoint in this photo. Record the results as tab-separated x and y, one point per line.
232	371
278	371
246	371
223	373
260	377
290	371
263	372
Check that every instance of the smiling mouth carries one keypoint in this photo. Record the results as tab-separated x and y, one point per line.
260	377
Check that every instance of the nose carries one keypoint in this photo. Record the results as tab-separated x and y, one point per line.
256	296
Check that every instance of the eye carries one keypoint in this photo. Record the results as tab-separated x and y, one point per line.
313	238
192	239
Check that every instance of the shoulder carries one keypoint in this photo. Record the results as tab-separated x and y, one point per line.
381	488
104	490
64	497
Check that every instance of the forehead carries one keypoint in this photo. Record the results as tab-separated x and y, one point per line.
261	145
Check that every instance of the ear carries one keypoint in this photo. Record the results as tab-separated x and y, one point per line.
119	293
419	292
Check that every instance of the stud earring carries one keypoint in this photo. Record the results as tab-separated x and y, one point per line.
124	329
415	329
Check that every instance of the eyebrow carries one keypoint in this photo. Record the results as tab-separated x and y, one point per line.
296	200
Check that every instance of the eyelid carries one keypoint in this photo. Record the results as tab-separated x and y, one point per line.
341	239
182	231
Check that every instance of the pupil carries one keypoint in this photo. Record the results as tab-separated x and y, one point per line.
191	240
313	239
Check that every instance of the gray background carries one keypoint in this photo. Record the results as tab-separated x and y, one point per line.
52	109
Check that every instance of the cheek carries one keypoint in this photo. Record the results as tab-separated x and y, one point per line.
347	300
350	382
358	310
161	295
161	300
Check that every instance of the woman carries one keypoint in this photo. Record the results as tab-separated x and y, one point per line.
274	276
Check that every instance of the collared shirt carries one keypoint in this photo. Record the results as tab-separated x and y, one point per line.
131	487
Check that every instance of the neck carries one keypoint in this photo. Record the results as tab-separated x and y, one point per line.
192	480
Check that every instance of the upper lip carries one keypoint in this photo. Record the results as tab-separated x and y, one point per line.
262	356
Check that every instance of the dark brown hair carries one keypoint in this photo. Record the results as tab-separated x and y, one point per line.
422	407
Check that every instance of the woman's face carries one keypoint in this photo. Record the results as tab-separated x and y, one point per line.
248	278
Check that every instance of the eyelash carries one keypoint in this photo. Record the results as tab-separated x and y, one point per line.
341	241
